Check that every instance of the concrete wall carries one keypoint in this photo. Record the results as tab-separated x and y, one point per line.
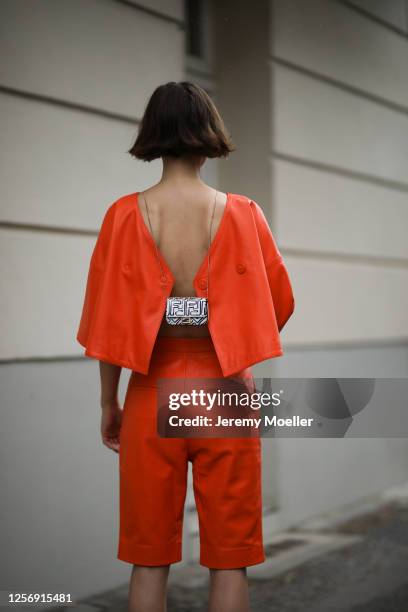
339	144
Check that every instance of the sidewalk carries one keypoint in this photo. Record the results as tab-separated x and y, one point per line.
368	574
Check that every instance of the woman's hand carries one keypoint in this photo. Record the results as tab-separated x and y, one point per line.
110	425
111	411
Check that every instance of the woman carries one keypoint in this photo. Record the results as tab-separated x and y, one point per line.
182	238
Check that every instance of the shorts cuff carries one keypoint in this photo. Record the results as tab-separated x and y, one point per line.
145	554
232	558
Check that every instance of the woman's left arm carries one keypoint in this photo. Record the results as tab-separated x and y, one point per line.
111	410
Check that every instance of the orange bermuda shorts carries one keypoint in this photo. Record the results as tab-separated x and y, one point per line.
153	474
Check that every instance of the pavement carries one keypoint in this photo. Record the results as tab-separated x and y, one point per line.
364	568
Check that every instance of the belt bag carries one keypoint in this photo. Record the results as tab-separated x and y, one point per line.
187	311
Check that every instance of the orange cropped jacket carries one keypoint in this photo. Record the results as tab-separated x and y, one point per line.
250	294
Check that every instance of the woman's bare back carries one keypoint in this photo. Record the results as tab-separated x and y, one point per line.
180	220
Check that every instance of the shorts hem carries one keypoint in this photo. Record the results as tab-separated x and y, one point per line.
139	554
232	558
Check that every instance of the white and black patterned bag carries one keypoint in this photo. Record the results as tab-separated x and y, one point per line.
187	310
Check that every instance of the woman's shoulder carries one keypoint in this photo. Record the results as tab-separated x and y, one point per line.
242	199
246	206
126	199
244	203
121	204
239	202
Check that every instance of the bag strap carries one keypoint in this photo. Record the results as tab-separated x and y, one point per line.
208	253
209	240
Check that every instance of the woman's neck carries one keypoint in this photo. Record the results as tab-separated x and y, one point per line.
182	170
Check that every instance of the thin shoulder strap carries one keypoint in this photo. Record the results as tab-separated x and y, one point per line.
208	251
151	231
209	238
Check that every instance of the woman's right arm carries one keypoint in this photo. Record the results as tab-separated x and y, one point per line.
111	410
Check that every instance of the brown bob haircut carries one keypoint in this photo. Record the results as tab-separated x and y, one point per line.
181	119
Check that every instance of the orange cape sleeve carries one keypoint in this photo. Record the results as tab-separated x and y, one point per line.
98	311
122	308
278	277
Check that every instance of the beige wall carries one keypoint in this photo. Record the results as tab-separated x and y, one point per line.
390	12
340	151
243	90
339	145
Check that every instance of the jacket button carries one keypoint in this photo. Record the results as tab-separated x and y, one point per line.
163	278
241	268
202	284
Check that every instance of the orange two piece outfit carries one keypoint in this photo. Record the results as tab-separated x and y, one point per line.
123	307
153	473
